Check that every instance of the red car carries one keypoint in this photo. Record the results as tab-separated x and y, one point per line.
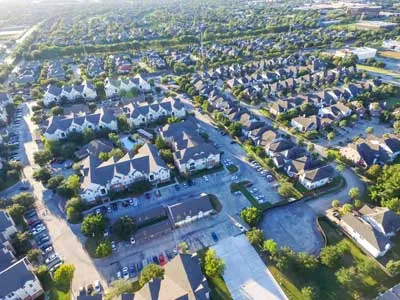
161	258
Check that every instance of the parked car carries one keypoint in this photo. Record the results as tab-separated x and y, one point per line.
155	260
133	241
51	258
97	286
89	289
214	236
113	246
125	273
161	259
132	270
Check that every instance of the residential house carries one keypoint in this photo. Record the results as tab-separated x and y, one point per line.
370	239
99	178
338	111
315	178
374	150
183	279
59	127
7	229
304	124
5	99
115	87
18	281
190	210
382	219
94	148
139	114
191	152
7	258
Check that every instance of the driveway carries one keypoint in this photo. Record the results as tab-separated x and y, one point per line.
246	275
294	225
66	239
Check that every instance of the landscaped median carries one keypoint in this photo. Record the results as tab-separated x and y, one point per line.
241	187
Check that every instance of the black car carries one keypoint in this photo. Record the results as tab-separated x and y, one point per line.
214	236
155	260
43	240
177	187
233	142
139	266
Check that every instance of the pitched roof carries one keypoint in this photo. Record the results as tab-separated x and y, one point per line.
189	208
15	276
318	174
5	220
366	231
183	279
384	217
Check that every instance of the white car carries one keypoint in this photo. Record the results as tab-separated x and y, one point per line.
133	241
113	246
47	250
131	202
51	258
125	273
97	286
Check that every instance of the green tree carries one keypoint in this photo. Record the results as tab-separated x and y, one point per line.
74	208
124	228
123	124
369	130
307	261
251	215
63	277
94	225
34	255
349	278
17	211
42	175
113	137
103	249
286	189
396	126
331	254
119	287
373	172
150	272
270	246
308	293
358	203
42	157
213	265
354	193
24	199
54	182
43	274
21	242
330	136
255	236
160	143
347	208
393	267
386	191
335	203
57	111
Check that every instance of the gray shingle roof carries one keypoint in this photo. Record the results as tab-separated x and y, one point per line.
366	231
4	221
15	277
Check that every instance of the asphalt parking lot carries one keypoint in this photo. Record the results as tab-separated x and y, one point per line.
293	226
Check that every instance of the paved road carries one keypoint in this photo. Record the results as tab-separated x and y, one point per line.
295	226
65	242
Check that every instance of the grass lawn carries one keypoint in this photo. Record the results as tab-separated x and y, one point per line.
323	278
378	70
389	54
219	290
205	172
392	102
55	294
216	204
232	168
